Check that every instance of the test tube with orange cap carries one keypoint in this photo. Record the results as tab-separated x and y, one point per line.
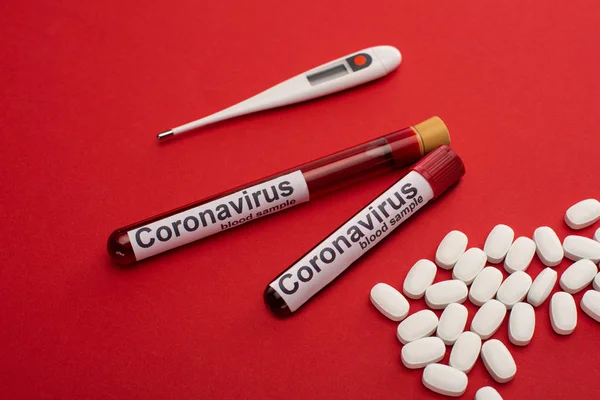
186	224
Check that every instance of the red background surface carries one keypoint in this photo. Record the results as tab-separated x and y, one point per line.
85	88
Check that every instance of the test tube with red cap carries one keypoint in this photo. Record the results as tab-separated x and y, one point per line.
183	225
427	180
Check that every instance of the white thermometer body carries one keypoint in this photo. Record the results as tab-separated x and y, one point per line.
343	73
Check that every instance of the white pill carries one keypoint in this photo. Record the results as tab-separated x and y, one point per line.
488	318
419	278
583	214
580	274
487	393
498	361
417	326
450	249
514	289
445	380
498	242
485	285
548	246
422	352
519	255
563	313
521	324
596	283
597	235
590	304
542	287
578	247
439	295
465	351
469	265
389	302
452	323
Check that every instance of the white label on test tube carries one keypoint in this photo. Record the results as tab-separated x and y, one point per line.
218	215
347	244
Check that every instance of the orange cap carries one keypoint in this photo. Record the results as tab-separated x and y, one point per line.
433	133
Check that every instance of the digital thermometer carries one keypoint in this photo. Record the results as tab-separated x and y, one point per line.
343	73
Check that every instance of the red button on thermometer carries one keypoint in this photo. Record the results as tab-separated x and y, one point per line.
428	179
235	207
343	73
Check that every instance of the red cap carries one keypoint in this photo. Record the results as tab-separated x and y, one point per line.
442	168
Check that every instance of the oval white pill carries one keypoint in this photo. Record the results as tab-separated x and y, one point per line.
548	246
417	326
597	235
469	265
563	313
485	285
439	295
452	323
419	278
578	247
487	393
519	255
422	352
514	289
542	287
583	214
498	361
521	324
596	283
580	274
445	380
590	304
498	242
389	302
465	351
488	318
450	249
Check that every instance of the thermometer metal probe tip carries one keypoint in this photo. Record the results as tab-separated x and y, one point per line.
165	134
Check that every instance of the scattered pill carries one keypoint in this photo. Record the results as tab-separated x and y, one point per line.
597	235
389	302
590	304
521	324
596	283
439	295
422	352
418	325
542	287
579	275
469	265
465	351
452	323
514	289
419	278
487	393
451	247
578	247
485	285
563	313
445	380
498	361
548	246
498	242
583	214
488	318
519	255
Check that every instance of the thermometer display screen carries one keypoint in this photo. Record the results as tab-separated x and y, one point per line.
328	74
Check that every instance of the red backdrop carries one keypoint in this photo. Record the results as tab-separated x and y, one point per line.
85	89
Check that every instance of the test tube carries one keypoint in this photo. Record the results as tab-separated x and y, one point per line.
183	225
427	180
